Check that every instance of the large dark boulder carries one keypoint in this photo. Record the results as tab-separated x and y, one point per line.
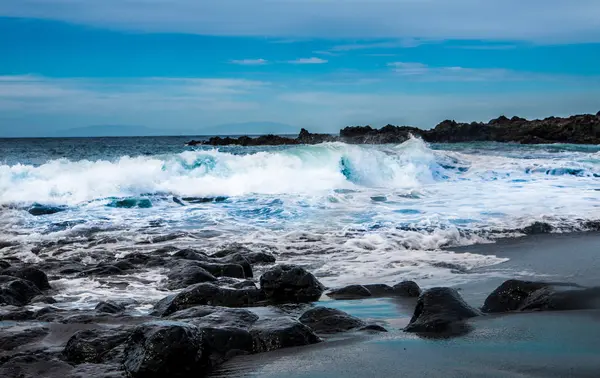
207	294
283	332
94	345
510	296
440	310
28	273
402	289
557	299
328	320
290	283
238	259
16	291
165	349
188	275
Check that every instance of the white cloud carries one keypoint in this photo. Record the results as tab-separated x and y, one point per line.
168	104
531	20
250	62
420	71
312	60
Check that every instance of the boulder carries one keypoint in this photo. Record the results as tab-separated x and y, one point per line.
407	289
165	349
110	307
553	299
350	292
207	294
328	320
94	345
16	291
223	269
402	289
290	283
510	296
238	259
251	256
440	310
223	343
32	274
283	332
188	275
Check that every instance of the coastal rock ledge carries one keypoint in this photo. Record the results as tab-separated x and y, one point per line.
577	129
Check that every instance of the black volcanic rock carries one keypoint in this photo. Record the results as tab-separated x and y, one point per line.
283	332
165	349
290	283
328	320
510	295
16	291
207	294
577	129
440	310
39	278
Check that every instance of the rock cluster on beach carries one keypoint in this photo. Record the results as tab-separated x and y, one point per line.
212	317
578	129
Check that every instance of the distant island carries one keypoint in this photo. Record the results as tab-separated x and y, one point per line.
577	129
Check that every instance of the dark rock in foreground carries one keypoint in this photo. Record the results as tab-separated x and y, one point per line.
578	129
510	296
272	334
440	310
517	295
290	283
328	320
165	349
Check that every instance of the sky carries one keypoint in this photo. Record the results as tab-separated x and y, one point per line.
184	66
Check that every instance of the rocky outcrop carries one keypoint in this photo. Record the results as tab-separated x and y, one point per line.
578	129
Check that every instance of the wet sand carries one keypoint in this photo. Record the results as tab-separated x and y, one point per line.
548	344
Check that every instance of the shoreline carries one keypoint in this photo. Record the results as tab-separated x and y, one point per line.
541	344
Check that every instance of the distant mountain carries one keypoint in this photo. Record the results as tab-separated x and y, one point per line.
244	128
250	128
108	131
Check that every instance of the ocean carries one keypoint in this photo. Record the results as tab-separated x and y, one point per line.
348	213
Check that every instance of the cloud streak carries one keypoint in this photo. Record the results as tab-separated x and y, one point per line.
250	62
312	60
532	20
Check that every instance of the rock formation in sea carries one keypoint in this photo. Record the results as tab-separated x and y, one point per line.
577	129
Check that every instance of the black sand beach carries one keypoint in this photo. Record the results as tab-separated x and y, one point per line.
543	344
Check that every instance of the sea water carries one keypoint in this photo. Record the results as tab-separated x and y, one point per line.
348	213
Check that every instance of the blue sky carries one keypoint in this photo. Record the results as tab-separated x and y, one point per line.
182	66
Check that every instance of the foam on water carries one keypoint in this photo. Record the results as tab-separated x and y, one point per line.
350	213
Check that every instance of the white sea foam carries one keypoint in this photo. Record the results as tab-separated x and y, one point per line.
350	213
